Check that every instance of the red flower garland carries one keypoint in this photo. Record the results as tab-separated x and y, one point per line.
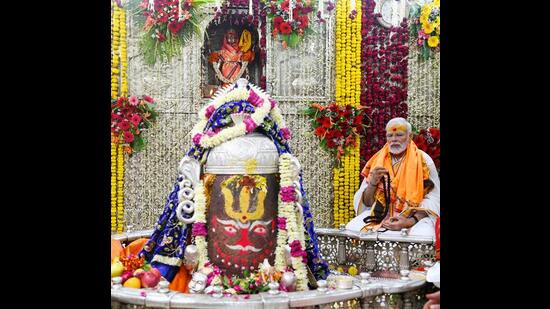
384	54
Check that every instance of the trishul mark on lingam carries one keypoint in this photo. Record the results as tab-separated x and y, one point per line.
251	191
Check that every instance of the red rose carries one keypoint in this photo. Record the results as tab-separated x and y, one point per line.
304	21
320	131
128	137
115	117
284	5
124	125
148	99
324	122
136	119
277	21
285	28
331	143
175	26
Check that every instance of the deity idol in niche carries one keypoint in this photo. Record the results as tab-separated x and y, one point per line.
231	61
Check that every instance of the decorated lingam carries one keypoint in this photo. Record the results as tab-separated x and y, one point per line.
238	204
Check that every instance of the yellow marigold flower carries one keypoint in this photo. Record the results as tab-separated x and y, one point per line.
424	20
436	3
353	270
426	10
433	41
427	28
437	30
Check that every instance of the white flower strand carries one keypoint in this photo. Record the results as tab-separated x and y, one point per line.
295	230
200	241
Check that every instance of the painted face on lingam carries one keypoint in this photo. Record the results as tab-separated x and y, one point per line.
242	221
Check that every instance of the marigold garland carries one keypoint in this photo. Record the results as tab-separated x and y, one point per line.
348	91
119	83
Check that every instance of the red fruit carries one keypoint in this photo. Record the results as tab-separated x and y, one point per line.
155	271
126	275
149	280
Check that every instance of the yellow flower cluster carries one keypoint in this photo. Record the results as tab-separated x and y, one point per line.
115	45
119	67
120	189
113	187
123	57
348	91
431	28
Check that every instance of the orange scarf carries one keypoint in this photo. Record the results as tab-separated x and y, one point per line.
407	183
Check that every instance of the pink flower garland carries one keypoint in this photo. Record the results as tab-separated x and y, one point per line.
209	111
250	124
296	251
199	229
281	223
285	132
197	139
288	194
254	99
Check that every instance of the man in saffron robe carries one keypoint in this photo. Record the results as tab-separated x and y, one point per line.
413	190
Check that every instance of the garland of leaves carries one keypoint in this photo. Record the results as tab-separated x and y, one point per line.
167	25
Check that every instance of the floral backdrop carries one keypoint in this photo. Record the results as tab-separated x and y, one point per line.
148	175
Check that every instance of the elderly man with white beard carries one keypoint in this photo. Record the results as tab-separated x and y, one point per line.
412	189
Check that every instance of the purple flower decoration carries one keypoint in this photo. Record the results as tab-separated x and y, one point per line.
197	139
250	124
285	132
209	111
254	99
288	194
199	229
297	251
281	223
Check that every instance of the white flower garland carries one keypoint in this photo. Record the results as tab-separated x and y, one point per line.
226	95
294	231
200	204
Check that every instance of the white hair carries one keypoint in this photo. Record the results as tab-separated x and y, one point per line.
399	120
